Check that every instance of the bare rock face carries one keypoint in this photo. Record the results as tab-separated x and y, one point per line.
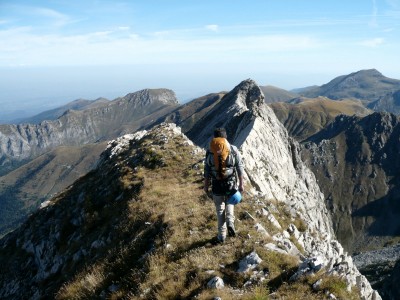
274	167
228	113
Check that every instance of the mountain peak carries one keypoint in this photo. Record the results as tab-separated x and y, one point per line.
251	94
365	85
369	72
235	110
152	96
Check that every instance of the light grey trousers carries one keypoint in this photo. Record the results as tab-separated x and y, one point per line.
225	215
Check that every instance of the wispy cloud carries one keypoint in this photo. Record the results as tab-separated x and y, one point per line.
373	42
56	18
212	27
374	14
109	47
21	14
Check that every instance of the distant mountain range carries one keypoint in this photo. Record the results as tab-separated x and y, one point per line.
79	104
304	117
369	86
274	94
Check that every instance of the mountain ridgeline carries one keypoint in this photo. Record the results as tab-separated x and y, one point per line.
19	143
366	85
139	225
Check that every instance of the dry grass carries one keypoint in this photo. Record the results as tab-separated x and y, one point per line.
166	250
85	284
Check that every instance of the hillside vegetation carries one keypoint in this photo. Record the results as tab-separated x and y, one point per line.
304	117
140	226
23	190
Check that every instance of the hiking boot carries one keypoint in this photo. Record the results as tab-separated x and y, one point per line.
231	230
217	240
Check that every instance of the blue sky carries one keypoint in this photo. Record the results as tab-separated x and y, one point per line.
52	52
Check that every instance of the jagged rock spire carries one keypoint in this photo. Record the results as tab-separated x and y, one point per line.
233	112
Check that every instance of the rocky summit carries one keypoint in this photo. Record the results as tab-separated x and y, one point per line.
366	85
139	225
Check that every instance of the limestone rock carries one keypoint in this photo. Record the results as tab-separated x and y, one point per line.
216	283
250	262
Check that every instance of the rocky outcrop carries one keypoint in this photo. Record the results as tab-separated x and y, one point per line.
19	143
274	167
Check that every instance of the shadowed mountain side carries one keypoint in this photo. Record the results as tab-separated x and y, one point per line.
385	213
188	114
304	117
366	85
390	103
23	190
356	161
390	288
80	104
274	94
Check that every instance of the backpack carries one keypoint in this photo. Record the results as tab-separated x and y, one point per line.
223	161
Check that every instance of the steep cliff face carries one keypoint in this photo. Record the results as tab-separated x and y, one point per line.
19	143
356	162
275	169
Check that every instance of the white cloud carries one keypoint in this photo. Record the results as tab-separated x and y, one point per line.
372	42
102	33
212	27
124	28
106	48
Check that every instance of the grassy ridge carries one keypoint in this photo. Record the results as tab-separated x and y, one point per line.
170	253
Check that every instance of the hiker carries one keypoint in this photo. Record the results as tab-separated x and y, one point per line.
223	165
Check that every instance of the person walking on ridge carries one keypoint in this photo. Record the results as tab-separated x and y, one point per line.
222	167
